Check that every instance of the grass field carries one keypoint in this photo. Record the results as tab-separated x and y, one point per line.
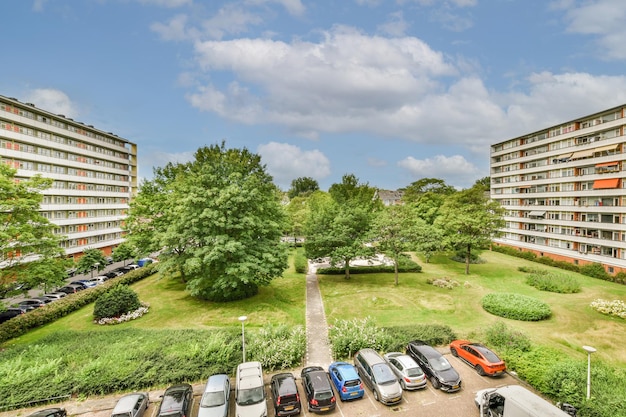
572	324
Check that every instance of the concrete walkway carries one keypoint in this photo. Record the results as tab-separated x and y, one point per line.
317	344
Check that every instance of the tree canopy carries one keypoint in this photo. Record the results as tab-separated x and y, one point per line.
302	187
218	219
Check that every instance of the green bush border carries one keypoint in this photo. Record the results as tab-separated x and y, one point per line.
516	306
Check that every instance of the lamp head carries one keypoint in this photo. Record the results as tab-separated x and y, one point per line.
242	318
589	349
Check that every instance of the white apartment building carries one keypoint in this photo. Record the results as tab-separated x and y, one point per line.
94	173
564	190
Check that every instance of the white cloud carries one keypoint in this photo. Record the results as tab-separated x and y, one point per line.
603	19
52	100
287	162
230	19
395	25
174	30
455	169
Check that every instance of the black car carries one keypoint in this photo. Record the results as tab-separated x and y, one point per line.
112	274
437	368
49	412
71	288
33	302
318	389
285	394
176	401
9	313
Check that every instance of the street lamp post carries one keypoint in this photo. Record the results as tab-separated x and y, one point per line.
242	319
589	351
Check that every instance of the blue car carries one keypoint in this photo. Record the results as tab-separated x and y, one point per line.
346	380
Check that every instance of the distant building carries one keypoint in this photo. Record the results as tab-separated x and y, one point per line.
94	173
389	198
564	190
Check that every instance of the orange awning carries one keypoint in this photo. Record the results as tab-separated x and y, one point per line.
607	164
608	183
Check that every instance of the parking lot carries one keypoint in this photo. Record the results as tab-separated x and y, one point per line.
425	402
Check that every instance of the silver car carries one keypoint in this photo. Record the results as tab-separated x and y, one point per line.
409	374
131	405
214	402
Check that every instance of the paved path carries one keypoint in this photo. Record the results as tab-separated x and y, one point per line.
317	345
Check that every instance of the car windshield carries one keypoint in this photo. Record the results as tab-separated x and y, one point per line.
353	383
213	399
383	374
323	395
250	396
440	363
414	372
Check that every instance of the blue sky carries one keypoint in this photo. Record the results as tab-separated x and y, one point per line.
388	90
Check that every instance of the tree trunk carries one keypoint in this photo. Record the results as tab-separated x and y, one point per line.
395	268
347	268
467	258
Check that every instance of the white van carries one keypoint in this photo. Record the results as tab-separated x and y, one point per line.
514	401
250	391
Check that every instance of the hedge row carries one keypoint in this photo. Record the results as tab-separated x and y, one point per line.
594	270
404	265
21	324
516	306
545	280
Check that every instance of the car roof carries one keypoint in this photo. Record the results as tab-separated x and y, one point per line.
347	370
127	402
215	383
172	401
426	350
45	412
405	360
286	383
319	379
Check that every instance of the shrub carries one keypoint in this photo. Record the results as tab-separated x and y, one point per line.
501	336
348	336
443	283
278	347
300	262
115	302
550	281
611	308
595	270
404	265
516	306
433	334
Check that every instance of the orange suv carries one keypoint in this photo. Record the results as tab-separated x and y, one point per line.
478	356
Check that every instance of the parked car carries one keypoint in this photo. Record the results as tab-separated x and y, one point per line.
250	391
70	272
346	380
214	401
441	374
409	373
131	405
478	356
378	376
318	389
32	302
176	401
45	299
99	280
84	283
113	274
55	295
71	289
285	395
49	412
9	313
109	260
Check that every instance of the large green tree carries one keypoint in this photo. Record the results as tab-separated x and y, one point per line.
297	211
123	252
338	226
25	235
424	186
219	221
302	187
91	259
470	220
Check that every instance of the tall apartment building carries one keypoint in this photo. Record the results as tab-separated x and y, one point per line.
94	173
564	190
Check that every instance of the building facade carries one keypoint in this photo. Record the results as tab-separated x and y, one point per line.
94	173
564	190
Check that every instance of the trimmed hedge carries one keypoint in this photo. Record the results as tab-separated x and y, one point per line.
516	307
545	280
52	311
300	262
404	265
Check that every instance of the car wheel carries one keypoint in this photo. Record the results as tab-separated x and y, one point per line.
435	382
480	370
454	352
376	395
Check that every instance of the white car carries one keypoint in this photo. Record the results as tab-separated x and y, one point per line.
409	373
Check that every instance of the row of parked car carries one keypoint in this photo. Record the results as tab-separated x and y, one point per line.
72	287
386	376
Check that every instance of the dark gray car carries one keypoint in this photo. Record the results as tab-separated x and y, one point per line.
441	374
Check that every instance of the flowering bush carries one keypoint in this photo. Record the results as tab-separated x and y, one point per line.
610	308
131	315
443	283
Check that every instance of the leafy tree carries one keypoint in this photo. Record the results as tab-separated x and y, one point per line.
90	260
427	238
219	221
123	252
419	188
337	227
470	220
302	187
119	300
297	211
48	273
25	235
394	229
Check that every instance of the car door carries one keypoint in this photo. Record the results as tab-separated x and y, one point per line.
337	379
471	355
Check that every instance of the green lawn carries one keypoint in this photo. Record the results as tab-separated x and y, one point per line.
572	325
